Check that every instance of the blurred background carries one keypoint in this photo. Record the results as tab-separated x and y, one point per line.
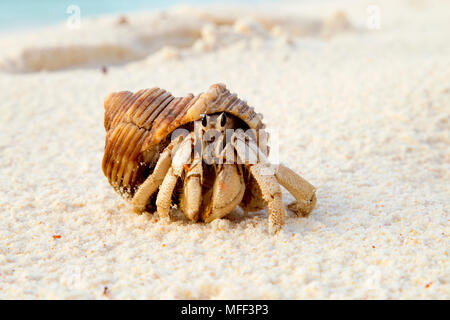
28	13
84	33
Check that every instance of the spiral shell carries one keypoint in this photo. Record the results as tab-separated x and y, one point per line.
138	125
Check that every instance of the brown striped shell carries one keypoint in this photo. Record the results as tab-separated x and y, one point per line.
139	124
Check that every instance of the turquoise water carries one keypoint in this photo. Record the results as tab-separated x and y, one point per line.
20	14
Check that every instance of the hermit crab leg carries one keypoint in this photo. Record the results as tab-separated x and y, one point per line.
181	157
253	199
153	181
191	197
263	173
271	193
302	190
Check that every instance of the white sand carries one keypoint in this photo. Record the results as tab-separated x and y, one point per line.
363	115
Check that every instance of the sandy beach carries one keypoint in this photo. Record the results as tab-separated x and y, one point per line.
362	109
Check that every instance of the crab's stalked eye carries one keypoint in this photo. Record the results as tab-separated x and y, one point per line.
223	119
204	120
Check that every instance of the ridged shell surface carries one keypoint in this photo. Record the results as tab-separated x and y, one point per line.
136	124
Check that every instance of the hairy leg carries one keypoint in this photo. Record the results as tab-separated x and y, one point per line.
253	199
271	193
191	197
153	181
181	157
263	173
302	190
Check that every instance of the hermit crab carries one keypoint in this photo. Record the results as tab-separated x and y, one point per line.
206	154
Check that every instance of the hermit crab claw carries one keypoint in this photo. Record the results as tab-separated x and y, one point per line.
227	194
